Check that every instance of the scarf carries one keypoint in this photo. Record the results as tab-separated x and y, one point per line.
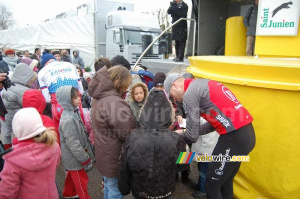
11	61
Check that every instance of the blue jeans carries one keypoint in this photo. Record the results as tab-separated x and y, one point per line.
202	167
111	190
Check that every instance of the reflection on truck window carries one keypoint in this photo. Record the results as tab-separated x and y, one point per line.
133	37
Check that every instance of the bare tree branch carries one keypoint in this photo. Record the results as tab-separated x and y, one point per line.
163	18
6	18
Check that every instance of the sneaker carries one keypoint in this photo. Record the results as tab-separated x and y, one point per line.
199	194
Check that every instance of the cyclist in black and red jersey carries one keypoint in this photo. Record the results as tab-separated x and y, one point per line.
225	114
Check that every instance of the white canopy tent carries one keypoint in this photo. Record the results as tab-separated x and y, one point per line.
74	33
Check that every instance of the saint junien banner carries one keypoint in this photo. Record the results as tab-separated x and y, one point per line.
278	17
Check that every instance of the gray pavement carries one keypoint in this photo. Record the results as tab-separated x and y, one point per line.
183	191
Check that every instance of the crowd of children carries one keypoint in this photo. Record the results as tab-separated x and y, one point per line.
133	143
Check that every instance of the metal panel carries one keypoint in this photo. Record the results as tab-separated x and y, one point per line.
213	15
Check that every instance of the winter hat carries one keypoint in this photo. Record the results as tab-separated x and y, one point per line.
120	60
9	51
27	123
188	76
169	81
45	58
159	78
26	61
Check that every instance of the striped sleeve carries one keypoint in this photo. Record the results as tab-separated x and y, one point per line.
191	102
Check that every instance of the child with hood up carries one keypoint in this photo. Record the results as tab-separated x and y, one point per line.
23	78
29	170
77	154
77	59
148	162
138	93
34	99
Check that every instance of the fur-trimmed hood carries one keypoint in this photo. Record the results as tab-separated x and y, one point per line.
136	84
157	112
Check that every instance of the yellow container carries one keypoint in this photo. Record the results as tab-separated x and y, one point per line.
235	37
276	46
270	90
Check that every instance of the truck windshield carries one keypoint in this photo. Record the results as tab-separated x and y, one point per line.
135	36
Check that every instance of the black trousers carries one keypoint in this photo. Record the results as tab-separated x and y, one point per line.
219	179
179	47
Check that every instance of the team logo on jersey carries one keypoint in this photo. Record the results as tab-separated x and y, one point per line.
229	94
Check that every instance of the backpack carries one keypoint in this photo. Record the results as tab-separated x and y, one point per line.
146	76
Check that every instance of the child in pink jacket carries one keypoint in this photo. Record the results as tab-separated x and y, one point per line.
29	170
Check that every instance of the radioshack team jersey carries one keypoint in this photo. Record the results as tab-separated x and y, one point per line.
57	74
215	103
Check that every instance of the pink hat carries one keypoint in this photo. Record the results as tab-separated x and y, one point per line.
27	123
26	61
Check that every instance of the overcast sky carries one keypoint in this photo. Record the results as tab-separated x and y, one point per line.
32	12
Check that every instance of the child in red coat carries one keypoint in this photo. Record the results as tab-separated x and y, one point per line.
35	99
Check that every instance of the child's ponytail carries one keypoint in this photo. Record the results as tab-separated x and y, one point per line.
48	137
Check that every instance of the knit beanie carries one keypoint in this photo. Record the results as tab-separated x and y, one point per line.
9	51
26	61
45	57
27	123
120	60
159	78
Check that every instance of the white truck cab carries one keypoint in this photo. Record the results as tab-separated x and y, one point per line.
129	34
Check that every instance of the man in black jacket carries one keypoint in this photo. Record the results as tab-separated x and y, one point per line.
148	163
37	54
178	9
